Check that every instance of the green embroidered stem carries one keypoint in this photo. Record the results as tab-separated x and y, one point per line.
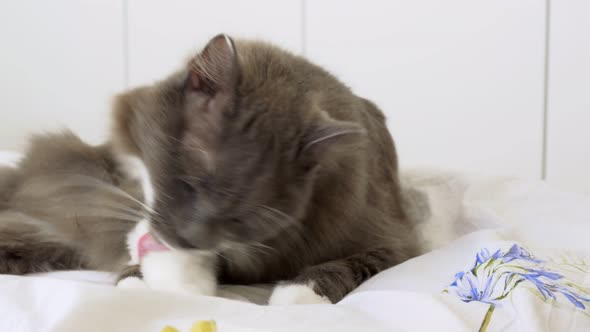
487	319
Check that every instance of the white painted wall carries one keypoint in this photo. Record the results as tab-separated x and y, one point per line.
568	130
461	81
60	63
164	34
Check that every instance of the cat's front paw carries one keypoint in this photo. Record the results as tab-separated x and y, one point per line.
179	272
296	294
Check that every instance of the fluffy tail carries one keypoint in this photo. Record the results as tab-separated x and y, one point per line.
30	246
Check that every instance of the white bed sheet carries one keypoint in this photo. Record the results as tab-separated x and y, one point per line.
496	212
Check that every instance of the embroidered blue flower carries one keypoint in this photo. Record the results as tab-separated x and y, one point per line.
494	276
551	289
544	274
518	252
575	299
470	287
484	255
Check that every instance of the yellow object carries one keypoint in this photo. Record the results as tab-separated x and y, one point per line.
204	326
169	329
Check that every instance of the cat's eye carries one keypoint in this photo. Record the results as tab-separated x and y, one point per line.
235	221
187	188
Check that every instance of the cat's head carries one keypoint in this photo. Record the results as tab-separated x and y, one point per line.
233	143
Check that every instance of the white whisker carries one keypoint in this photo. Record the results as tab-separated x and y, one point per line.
87	181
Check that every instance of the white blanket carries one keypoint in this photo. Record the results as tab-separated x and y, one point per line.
539	280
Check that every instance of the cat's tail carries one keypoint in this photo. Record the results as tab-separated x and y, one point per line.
31	246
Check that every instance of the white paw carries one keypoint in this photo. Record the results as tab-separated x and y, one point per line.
179	272
131	282
296	294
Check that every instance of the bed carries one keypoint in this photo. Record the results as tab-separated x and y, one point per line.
501	254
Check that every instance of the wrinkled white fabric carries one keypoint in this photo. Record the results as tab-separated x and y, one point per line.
483	212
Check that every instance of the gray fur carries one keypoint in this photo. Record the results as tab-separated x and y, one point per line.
270	161
66	205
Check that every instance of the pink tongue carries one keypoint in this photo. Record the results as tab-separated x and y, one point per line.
148	243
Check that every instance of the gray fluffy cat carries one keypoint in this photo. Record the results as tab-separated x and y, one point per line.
264	167
271	167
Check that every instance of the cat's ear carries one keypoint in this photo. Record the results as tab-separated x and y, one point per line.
215	69
327	138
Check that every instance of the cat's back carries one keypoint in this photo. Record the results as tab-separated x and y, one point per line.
359	195
282	79
276	76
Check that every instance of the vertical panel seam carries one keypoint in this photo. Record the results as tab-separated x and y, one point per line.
125	38
546	90
304	27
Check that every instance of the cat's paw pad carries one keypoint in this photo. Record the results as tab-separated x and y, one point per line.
296	294
131	282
